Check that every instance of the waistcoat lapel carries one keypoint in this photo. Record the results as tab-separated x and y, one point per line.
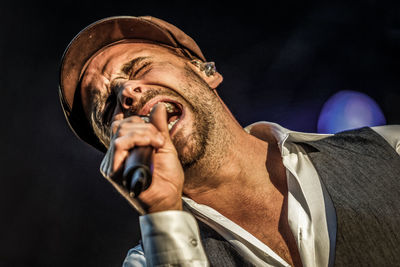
219	251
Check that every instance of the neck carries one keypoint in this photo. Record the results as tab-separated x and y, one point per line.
248	173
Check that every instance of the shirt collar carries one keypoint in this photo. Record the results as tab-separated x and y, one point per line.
262	129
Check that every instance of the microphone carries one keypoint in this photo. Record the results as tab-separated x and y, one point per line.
138	170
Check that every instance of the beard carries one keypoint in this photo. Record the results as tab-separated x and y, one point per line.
191	149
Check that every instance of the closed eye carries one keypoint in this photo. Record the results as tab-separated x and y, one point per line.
132	68
144	66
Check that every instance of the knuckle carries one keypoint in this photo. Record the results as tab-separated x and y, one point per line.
150	129
138	136
121	132
118	144
115	125
122	128
134	119
146	138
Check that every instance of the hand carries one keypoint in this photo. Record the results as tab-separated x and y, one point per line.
165	191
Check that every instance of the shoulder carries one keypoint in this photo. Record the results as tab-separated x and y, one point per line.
391	133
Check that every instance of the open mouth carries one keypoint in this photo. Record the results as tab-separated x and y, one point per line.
174	112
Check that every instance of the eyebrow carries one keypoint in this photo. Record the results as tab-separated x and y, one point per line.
128	67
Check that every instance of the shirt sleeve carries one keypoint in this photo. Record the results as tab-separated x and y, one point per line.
391	133
170	238
135	257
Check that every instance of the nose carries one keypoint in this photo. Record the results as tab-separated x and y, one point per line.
129	93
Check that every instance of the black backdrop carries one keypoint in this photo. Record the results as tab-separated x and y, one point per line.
280	61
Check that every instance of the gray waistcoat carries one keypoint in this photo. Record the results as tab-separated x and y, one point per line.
361	173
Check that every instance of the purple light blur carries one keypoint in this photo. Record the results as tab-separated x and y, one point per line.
347	110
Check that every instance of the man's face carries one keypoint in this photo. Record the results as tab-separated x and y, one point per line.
129	79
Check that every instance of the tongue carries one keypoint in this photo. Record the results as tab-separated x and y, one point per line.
172	118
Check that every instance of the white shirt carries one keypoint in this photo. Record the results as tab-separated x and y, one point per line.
172	237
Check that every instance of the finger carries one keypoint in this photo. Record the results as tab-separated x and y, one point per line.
130	140
136	119
122	145
116	125
117	163
142	128
159	118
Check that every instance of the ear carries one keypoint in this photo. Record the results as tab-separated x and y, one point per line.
213	80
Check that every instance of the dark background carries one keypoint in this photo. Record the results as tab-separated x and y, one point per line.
280	61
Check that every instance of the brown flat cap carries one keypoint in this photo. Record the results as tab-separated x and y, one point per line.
103	33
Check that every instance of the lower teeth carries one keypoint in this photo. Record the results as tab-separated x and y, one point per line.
171	124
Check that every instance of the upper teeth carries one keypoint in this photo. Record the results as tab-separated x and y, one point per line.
169	107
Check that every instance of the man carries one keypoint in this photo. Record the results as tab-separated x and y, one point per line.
261	196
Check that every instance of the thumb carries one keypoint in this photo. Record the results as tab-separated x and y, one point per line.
159	118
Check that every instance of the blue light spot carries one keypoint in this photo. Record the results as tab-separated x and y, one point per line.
347	110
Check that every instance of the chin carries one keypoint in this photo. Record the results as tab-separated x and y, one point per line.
189	149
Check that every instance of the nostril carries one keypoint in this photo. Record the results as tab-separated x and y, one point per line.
128	101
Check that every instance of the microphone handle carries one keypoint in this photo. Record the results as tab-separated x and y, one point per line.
138	170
